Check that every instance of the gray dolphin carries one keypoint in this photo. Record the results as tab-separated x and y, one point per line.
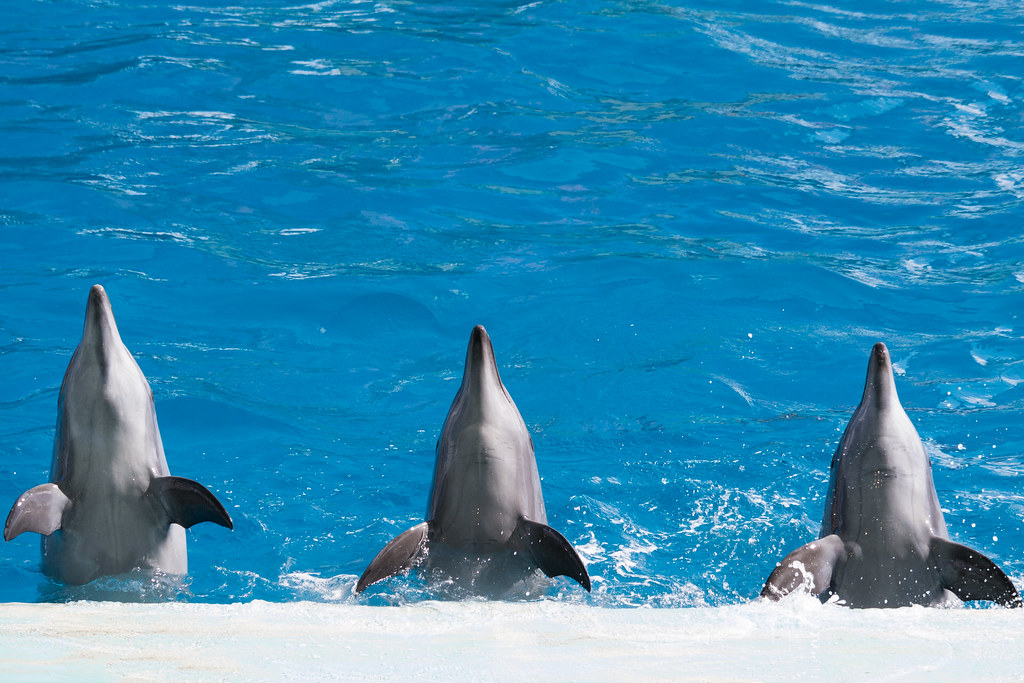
112	505
485	501
883	540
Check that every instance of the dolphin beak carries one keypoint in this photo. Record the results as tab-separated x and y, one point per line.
880	353
481	366
100	326
98	298
880	385
480	348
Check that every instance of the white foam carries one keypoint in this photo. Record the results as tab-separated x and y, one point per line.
795	639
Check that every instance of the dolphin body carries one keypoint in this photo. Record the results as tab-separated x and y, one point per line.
486	524
112	505
883	540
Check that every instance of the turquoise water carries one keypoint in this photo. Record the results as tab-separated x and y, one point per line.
683	225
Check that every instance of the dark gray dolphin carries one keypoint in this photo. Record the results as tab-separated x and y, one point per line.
112	505
883	540
485	500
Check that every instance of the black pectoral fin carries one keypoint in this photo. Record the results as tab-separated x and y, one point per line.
39	509
972	576
554	555
188	502
396	557
809	567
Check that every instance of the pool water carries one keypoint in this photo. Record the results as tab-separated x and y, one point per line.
683	225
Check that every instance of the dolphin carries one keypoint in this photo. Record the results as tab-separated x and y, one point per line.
883	540
111	505
485	503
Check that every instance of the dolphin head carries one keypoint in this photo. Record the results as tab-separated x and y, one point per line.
105	403
483	411
880	386
485	476
881	473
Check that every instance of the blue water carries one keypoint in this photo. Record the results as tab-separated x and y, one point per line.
683	224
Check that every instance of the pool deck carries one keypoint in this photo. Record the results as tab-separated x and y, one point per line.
500	641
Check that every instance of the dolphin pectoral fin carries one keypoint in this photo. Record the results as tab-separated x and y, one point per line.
400	554
188	502
809	566
554	555
39	509
971	575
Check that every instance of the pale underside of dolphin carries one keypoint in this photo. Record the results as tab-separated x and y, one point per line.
485	500
111	506
883	540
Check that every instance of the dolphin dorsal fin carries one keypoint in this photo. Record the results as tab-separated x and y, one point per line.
404	551
39	509
553	554
972	576
188	502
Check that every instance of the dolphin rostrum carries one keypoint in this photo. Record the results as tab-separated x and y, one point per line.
111	506
485	501
883	540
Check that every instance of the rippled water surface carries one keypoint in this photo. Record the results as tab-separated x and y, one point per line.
683	224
